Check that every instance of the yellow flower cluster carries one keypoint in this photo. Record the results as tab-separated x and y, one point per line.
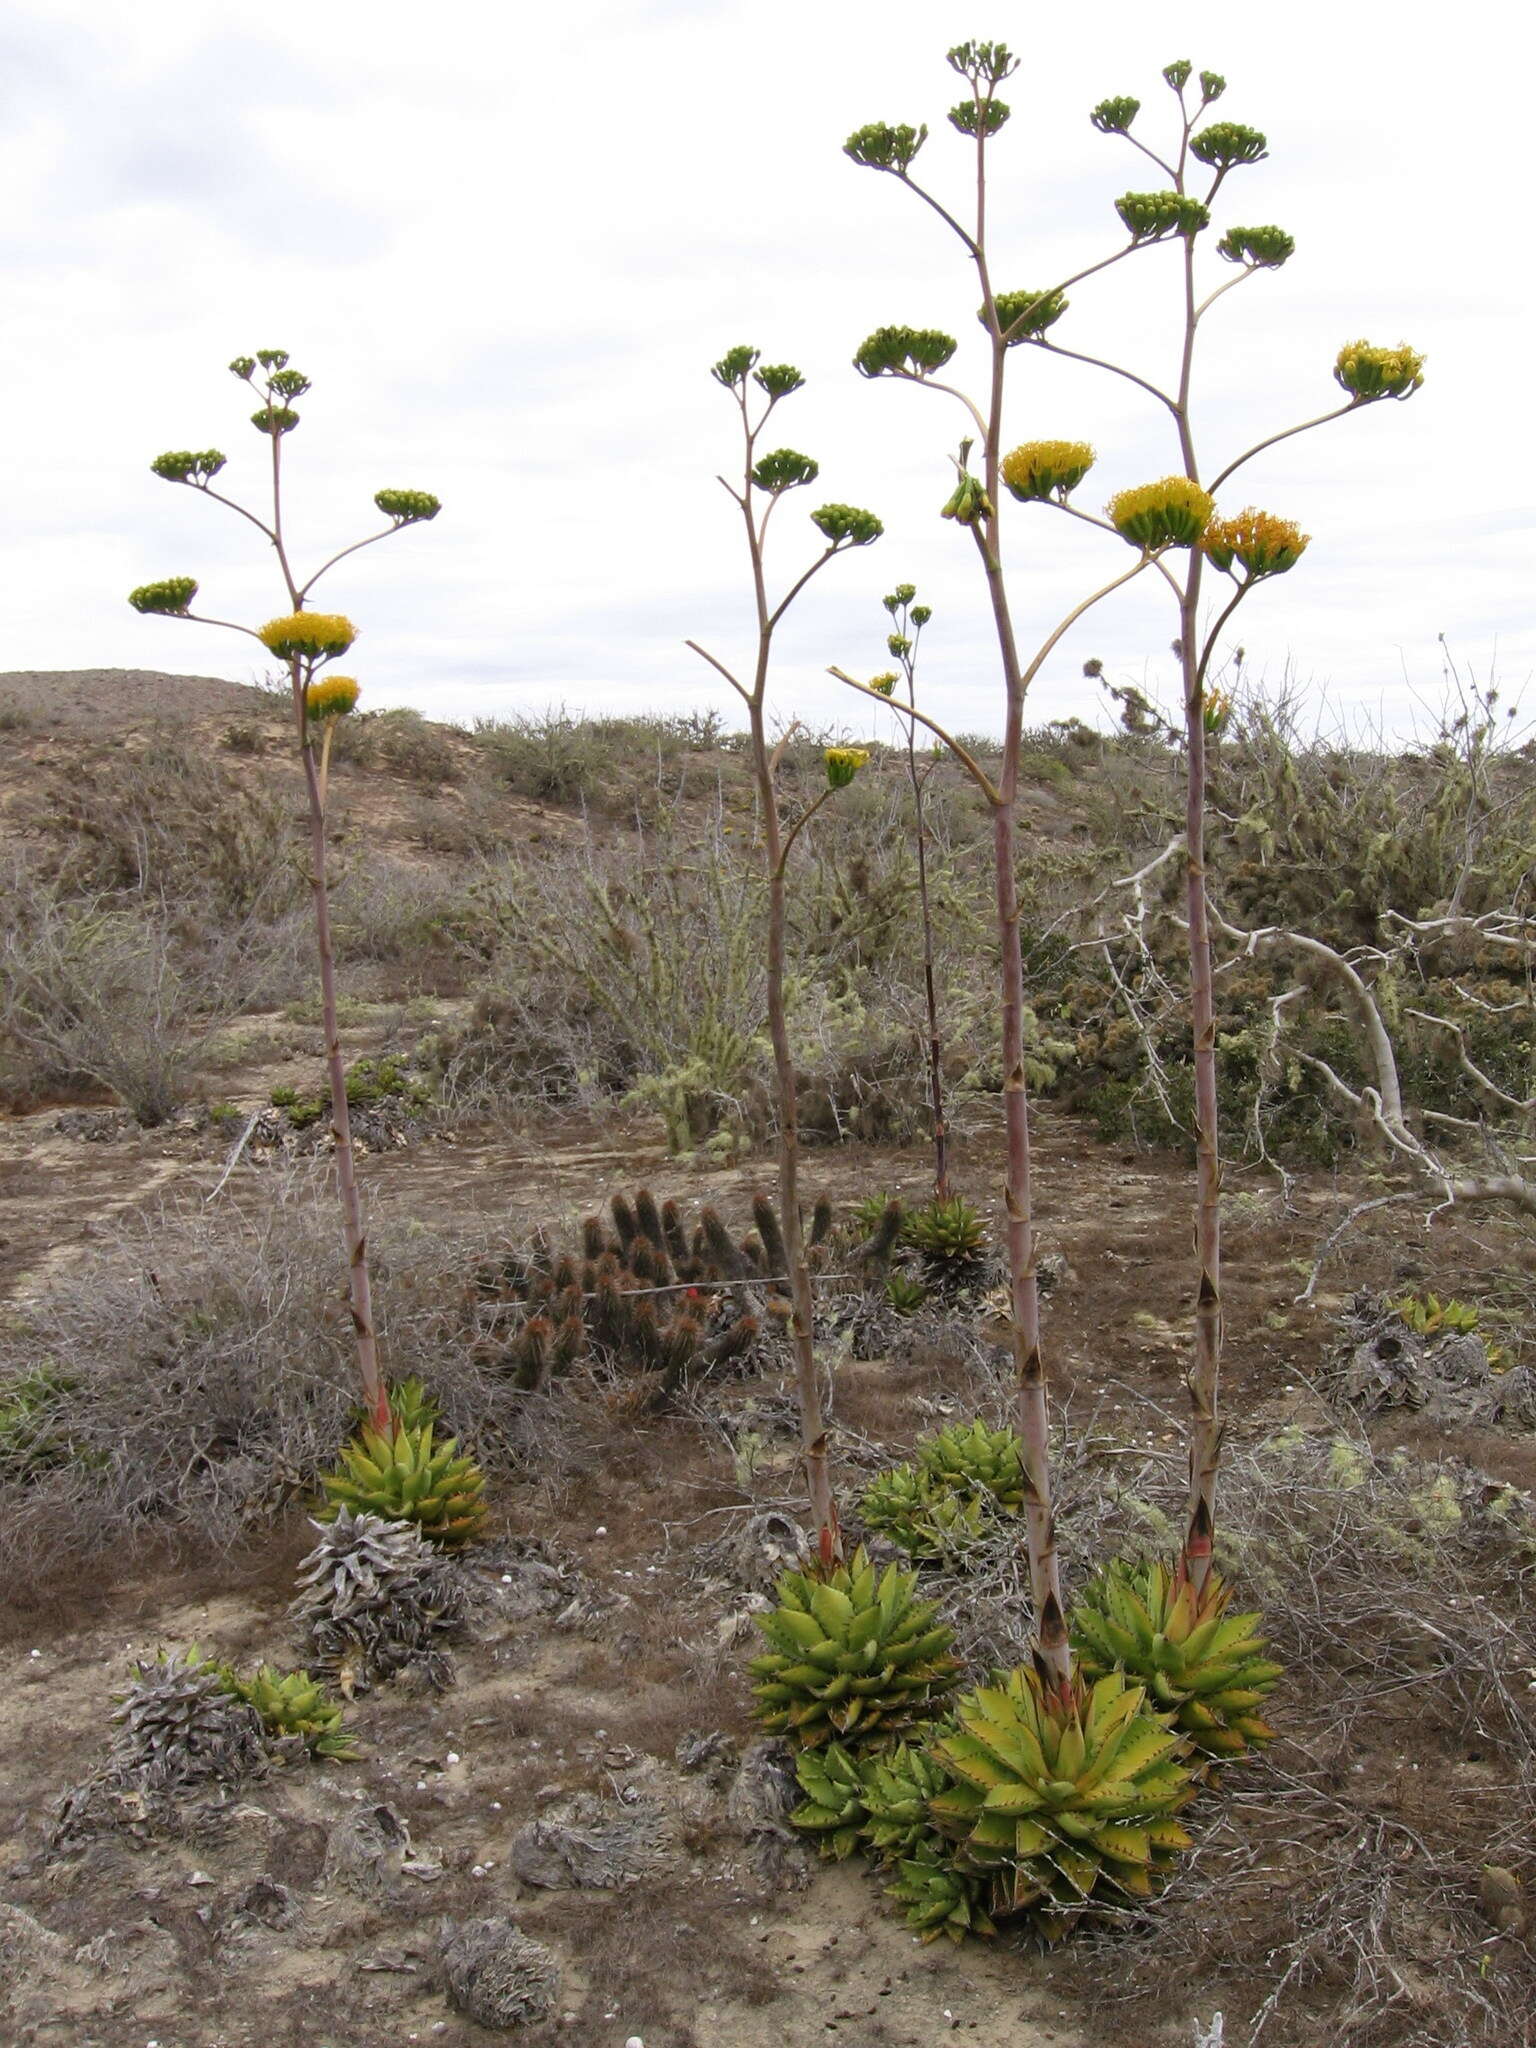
1172	513
317	636
1368	372
843	763
1046	469
1257	541
884	685
331	697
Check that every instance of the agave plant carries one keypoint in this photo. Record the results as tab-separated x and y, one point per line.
409	1477
293	1703
1205	1666
833	1808
974	1460
896	1789
947	1235
1065	1795
939	1895
376	1597
852	1657
181	1725
926	1520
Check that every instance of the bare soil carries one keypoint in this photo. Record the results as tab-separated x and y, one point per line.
717	1944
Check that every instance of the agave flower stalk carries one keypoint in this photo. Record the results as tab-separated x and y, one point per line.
908	619
305	642
915	355
1249	548
758	388
1162	521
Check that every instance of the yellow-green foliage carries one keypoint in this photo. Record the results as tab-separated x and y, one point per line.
851	1657
409	1477
1068	1801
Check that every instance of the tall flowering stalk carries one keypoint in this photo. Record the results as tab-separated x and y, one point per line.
765	478
908	619
1161	521
305	642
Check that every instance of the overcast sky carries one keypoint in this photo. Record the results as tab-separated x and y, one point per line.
506	244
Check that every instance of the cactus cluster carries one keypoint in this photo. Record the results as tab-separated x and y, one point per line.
645	1293
181	1725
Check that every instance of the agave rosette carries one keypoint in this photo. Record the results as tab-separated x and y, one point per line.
1199	1662
408	1476
852	1657
1067	1798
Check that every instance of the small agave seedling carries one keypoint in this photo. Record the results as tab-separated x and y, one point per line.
1170	521
306	642
758	388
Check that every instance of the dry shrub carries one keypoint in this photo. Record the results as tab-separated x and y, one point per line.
1336	1879
112	992
204	1372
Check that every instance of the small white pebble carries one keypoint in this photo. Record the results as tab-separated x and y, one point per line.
421	1784
634	2041
600	1530
495	1806
506	1578
452	1756
477	1870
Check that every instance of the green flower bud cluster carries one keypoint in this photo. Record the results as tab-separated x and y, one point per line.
275	420
183	466
880	147
968	502
987	116
1151	215
313	636
913	351
332	697
288	383
783	469
732	368
898	644
843	763
244	367
1039	470
272	358
1037	311
921	614
1173	512
1114	116
1368	372
1265	248
406	508
1212	86
841	523
778	379
977	61
1177	74
1257	541
1226	143
902	594
170	598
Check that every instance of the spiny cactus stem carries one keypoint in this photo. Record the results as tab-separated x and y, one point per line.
359	1292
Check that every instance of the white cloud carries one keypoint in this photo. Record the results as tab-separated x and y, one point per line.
506	246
